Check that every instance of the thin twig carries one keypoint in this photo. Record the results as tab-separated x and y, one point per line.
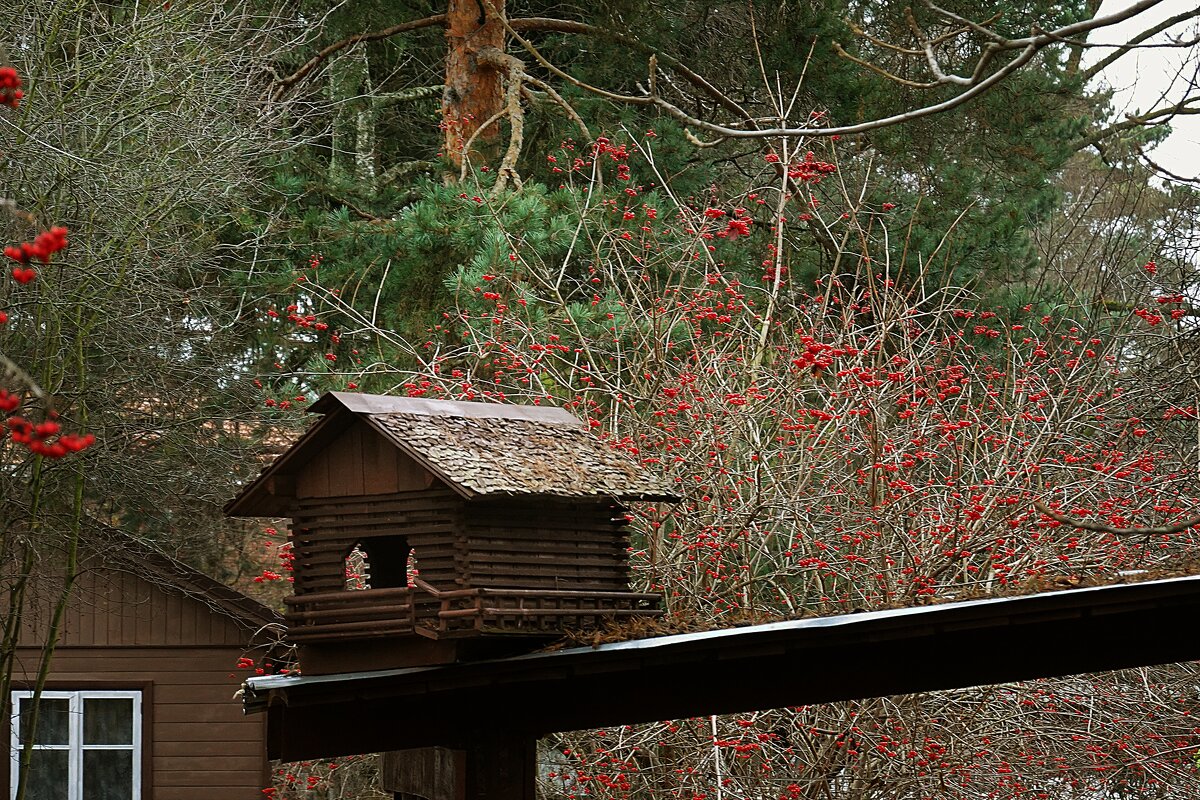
570	111
1161	170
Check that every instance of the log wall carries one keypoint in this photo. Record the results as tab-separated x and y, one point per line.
547	544
325	529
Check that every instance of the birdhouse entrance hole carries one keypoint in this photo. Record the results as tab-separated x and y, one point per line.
384	562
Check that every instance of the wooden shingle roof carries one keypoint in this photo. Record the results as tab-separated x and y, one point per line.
496	456
478	449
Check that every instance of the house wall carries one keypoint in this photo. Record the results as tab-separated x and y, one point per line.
124	632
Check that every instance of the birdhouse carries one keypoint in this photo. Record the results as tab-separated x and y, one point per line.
429	531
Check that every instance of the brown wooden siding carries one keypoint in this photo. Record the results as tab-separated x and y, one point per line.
197	742
360	462
112	608
547	545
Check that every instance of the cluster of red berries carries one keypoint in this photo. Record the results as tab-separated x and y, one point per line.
10	87
810	170
46	438
9	402
45	245
42	438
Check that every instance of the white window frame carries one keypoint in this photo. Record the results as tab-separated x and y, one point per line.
75	744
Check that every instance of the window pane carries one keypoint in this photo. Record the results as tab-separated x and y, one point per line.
107	774
53	724
48	778
108	720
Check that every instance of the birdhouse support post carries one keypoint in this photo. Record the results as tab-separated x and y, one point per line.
494	765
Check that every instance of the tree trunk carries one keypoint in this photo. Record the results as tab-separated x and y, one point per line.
352	160
473	93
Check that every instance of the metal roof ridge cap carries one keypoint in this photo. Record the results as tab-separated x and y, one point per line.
379	404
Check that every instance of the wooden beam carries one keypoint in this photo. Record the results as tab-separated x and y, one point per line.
736	670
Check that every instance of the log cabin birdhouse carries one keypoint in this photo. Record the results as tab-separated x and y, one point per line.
429	531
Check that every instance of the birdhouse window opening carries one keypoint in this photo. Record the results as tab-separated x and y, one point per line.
358	569
411	570
381	562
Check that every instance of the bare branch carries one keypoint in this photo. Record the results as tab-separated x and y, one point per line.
281	86
1121	50
979	28
1185	107
841	51
880	42
931	57
542	24
570	111
408	95
1166	173
1100	527
862	127
11	370
515	70
1084	26
541	59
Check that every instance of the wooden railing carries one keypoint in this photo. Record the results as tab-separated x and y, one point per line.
485	610
350	614
423	609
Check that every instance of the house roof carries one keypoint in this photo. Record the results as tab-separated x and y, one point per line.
124	552
478	449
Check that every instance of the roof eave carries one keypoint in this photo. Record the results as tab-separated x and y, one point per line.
111	543
248	502
624	497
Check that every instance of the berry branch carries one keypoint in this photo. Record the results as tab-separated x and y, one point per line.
44	438
1100	527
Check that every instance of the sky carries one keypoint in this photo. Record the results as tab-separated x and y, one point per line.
1144	77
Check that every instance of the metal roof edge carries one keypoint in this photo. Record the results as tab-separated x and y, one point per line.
958	615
